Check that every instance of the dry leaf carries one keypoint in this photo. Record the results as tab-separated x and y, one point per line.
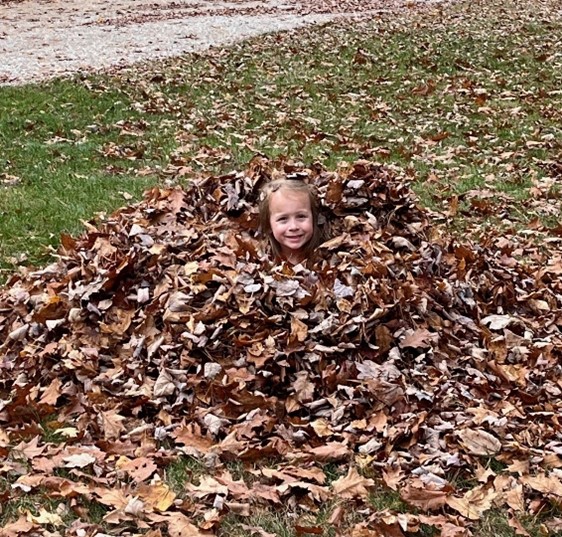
352	485
479	442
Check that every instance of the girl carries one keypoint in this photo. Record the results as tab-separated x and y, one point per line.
289	214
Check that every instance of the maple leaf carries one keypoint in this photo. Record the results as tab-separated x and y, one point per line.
179	525
303	387
112	423
52	393
541	482
157	496
14	529
352	485
30	449
474	503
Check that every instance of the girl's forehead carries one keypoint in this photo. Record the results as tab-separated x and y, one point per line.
286	196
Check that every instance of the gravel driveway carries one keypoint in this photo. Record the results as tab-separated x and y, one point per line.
40	39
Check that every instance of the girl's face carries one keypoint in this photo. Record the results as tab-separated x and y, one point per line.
291	221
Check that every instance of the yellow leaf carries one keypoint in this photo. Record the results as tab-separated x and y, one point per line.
321	427
158	496
45	518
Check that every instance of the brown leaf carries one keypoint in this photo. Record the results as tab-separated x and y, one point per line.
541	482
190	435
474	503
419	339
304	389
352	485
179	525
139	469
299	330
479	442
112	424
424	498
308	530
52	393
17	528
30	449
330	452
518	527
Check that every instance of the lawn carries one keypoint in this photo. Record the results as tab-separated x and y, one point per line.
462	101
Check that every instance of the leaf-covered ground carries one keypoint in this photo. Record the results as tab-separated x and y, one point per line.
402	356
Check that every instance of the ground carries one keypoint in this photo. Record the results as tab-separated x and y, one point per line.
42	39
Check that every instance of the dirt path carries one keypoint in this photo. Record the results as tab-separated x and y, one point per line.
41	39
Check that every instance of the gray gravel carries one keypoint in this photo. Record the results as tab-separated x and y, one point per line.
44	39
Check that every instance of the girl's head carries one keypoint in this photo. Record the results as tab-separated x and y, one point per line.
289	215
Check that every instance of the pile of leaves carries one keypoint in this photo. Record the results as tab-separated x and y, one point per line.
400	355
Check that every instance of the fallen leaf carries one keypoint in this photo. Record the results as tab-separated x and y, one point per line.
352	485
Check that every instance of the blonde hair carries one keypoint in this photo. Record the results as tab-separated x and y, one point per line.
294	185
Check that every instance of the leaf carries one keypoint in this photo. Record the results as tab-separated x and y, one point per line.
303	387
79	460
139	469
46	518
112	423
518	527
255	531
30	449
331	451
418	339
19	527
116	498
157	496
479	442
164	384
308	530
424	498
542	483
180	526
352	485
52	393
498	322
474	503
207	486
299	330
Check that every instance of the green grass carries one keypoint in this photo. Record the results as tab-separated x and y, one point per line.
460	100
181	471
